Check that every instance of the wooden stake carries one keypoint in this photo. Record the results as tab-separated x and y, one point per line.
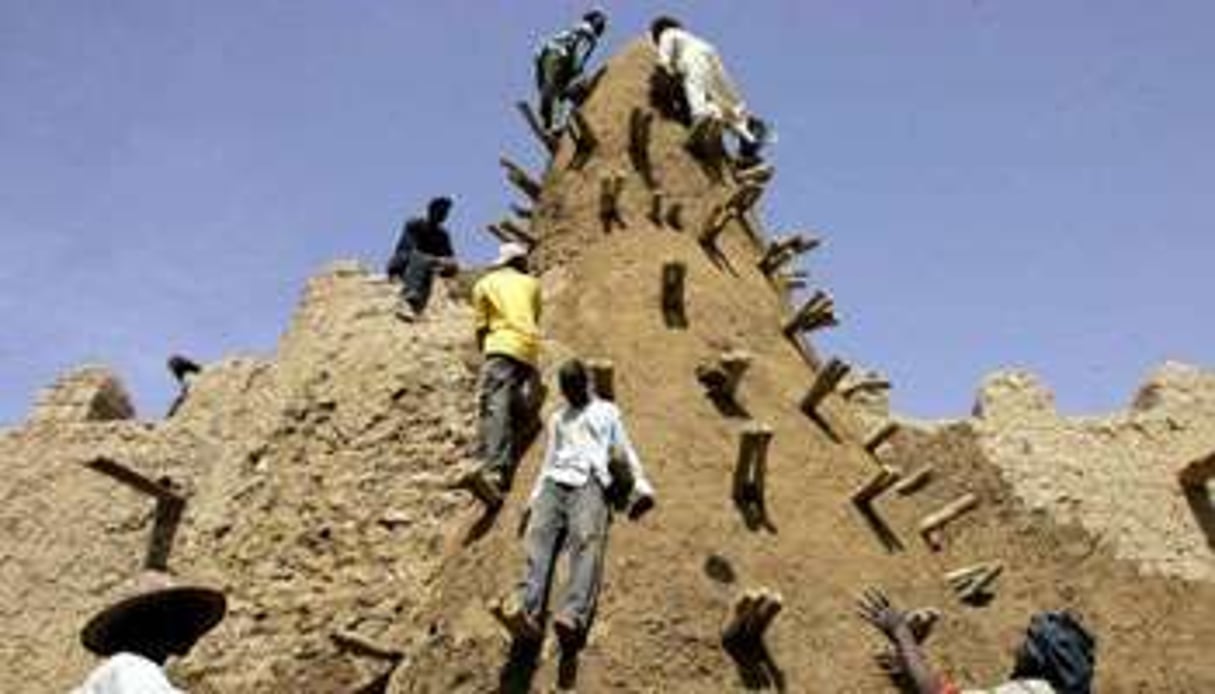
753	612
520	211
825	381
519	178
937	520
714	224
780	252
361	645
673	306
610	188
656	209
169	507
880	436
817	312
867	384
533	123
675	217
639	145
914	481
876	486
756	175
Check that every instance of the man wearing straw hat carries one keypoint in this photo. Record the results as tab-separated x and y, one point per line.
138	634
506	306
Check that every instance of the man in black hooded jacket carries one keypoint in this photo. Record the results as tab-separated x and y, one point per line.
423	249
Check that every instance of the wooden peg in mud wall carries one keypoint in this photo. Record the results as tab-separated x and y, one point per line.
882	480
937	520
781	251
533	124
868	383
970	583
603	378
519	178
817	312
751	615
610	188
640	121
674	217
880	436
168	510
744	199
714	224
914	481
674	312
825	381
511	231
521	211
655	215
722	377
585	142
750	475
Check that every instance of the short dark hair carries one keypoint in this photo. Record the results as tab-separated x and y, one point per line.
180	366
442	201
661	24
572	378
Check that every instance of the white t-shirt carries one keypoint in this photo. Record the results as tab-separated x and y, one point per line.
127	673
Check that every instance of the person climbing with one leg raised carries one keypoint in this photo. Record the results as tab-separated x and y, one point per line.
569	508
506	307
560	62
710	93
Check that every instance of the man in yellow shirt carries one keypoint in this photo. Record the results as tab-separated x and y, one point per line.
506	306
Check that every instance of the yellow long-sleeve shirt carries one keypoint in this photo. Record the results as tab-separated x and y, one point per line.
506	304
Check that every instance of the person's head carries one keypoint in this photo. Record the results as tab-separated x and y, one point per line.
512	254
437	209
597	20
182	367
1058	649
575	383
662	24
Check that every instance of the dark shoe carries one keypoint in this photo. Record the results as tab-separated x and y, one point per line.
521	626
569	636
405	315
485	485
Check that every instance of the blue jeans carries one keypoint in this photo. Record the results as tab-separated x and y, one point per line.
576	519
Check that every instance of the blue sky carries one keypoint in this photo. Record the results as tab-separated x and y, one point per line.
999	183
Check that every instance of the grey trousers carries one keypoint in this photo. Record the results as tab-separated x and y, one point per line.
574	518
507	412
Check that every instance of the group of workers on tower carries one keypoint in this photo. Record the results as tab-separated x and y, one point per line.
589	466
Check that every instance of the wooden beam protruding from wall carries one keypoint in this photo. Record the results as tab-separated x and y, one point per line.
781	251
817	312
533	123
750	476
825	381
520	179
610	188
674	310
640	122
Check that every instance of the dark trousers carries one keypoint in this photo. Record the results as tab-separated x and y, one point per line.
553	76
418	279
508	393
576	519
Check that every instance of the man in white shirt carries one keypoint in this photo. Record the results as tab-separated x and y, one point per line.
139	634
710	93
569	507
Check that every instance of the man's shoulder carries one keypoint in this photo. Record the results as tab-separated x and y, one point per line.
605	408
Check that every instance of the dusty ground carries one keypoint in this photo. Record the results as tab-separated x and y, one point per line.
314	499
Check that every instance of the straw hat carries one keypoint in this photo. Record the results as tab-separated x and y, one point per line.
157	610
